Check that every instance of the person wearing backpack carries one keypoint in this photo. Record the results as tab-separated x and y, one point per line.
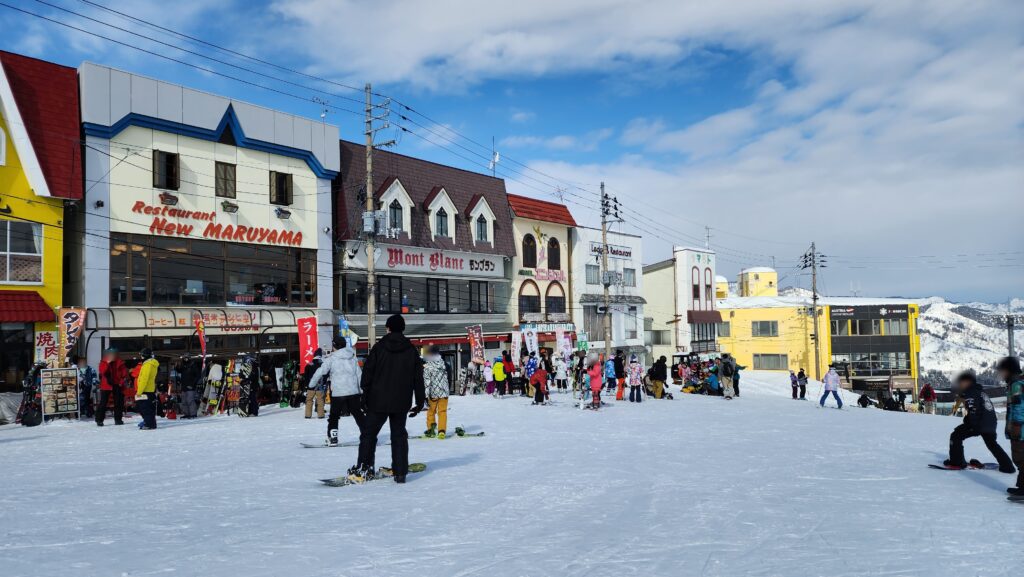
928	398
315	397
728	370
113	373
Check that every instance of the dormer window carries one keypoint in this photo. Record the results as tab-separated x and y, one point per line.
395	215
481	229
441	223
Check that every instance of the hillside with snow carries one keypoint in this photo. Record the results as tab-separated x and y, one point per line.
761	485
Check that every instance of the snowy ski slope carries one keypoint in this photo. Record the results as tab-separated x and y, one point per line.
762	485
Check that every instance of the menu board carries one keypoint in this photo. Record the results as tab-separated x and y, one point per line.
59	389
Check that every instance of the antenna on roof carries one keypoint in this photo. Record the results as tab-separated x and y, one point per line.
495	159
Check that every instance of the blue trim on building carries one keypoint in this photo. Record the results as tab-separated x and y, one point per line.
230	118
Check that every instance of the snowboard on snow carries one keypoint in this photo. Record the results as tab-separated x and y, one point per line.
972	465
382	474
325	445
1016	498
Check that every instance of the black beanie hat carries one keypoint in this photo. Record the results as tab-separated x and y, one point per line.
395	324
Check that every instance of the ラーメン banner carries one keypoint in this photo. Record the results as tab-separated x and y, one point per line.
70	321
308	341
476	343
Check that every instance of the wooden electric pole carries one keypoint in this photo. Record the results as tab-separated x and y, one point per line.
371	231
606	278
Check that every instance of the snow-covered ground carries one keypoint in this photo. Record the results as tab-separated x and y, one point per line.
762	485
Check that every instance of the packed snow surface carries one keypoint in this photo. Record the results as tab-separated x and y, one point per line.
762	485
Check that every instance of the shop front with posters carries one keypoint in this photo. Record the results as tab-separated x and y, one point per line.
200	208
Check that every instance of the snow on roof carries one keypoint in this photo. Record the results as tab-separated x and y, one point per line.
720	278
757	269
767	302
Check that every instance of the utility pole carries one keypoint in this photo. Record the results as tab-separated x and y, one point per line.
606	278
707	237
812	260
370	219
1011	322
371	234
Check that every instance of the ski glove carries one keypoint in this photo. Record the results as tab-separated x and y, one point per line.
415	411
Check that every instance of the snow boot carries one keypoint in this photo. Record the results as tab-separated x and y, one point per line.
431	432
400	479
1008	469
459	431
1016	491
953	465
360	474
440	435
332	438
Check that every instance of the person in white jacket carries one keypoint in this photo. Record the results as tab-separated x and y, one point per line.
561	375
831	381
342	370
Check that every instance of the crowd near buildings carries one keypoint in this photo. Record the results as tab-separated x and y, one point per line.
144	207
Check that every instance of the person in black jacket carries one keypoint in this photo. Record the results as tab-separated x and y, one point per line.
392	378
979	421
658	375
191	376
619	362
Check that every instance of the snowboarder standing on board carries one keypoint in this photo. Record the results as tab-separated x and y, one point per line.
435	380
831	386
979	421
342	370
1009	370
392	377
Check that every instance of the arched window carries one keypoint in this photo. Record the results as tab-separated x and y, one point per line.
709	288
441	223
395	215
554	255
529	298
481	229
554	300
695	279
530	253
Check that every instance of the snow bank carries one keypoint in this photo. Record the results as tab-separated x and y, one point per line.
761	485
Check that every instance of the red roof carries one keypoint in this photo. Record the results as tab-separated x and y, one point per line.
24	307
542	210
46	95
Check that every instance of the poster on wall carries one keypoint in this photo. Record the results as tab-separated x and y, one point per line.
58	390
308	341
563	341
476	343
69	324
517	346
47	348
530	337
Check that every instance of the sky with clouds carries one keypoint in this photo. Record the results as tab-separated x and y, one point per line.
889	132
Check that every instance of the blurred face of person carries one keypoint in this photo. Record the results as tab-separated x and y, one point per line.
963	384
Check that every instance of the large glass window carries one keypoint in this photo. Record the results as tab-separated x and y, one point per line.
414	294
389	294
354	294
631	323
629	277
529	251
593	322
724	329
896	326
554	300
165	170
479	297
21	252
771	362
866	327
529	299
764	329
224	177
180	272
593	274
840	328
280	188
437	295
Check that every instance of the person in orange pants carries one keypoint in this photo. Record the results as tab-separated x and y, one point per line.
435	381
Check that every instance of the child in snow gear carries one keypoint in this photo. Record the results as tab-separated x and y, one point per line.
113	373
635	374
145	390
315	397
594	374
801	379
793	383
539	383
980	421
500	377
341	369
1008	369
831	383
435	380
609	374
928	398
392	376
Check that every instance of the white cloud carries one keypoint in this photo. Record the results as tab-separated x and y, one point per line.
522	116
586	142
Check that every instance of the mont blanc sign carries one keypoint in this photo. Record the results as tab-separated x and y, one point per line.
412	259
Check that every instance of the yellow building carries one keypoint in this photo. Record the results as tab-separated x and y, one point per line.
758	281
873	343
40	168
721	287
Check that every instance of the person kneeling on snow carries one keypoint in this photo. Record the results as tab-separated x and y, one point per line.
435	379
341	370
539	384
979	421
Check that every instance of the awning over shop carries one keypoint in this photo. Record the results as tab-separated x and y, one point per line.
129	321
703	317
24	307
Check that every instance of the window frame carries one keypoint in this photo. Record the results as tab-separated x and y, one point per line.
779	360
629	277
394	206
7	253
434	304
482	234
756	329
529	248
441	221
727	325
217	180
162	178
554	254
590	268
275	194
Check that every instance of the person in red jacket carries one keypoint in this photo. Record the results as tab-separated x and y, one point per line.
928	398
539	380
113	372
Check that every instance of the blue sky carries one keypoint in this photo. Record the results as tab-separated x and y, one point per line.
891	133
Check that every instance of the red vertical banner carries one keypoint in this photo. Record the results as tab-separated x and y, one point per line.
201	333
308	341
476	343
